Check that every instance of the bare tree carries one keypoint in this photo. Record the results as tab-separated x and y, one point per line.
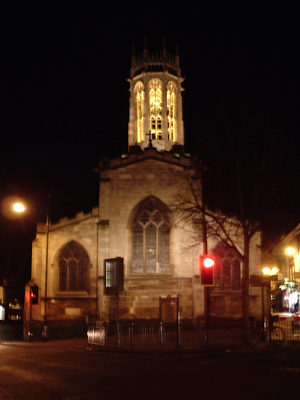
189	208
246	143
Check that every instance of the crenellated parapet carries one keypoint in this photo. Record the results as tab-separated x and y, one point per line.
79	217
159	61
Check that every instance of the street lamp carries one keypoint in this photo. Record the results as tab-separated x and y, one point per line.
18	207
270	271
11	207
45	326
291	252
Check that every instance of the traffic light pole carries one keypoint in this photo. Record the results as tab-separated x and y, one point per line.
206	288
30	316
205	248
45	326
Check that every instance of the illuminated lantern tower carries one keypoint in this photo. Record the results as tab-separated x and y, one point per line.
155	113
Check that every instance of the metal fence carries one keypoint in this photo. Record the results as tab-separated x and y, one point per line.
153	334
189	334
291	328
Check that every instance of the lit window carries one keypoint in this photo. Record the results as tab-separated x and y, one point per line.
155	101
171	112
151	239
73	264
140	113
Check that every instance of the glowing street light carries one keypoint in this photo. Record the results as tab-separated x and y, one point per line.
290	251
270	271
18	207
11	208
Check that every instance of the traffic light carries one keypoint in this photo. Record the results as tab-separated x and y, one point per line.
207	270
34	293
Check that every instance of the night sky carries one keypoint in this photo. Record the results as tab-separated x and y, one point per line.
64	96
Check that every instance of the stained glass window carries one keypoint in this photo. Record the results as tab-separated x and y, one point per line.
227	272
151	239
156	105
140	113
73	265
171	112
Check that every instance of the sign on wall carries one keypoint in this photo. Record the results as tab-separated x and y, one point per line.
169	308
114	276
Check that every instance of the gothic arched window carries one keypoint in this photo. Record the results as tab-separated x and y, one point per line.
73	265
156	105
151	239
171	112
227	267
140	113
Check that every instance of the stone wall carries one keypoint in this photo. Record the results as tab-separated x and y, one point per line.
128	182
140	299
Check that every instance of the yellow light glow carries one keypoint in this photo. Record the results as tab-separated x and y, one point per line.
269	271
274	271
18	207
290	251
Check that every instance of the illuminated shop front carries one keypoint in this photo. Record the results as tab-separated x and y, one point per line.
290	296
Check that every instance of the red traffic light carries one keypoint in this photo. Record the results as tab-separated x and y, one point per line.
208	262
207	270
34	293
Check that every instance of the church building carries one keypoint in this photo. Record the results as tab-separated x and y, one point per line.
130	251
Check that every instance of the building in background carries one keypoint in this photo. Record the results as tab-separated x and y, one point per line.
284	264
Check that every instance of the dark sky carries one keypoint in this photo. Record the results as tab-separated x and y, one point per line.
64	95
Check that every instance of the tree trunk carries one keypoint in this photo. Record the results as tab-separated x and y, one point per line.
245	284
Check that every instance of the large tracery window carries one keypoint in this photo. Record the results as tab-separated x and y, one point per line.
156	105
151	239
73	264
140	112
171	112
227	268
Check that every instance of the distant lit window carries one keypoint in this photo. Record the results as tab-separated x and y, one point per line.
171	112
140	113
156	105
151	239
73	265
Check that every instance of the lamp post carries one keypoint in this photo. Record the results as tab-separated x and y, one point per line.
294	268
45	326
11	207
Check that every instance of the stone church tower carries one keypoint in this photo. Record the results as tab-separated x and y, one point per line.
137	190
133	223
155	100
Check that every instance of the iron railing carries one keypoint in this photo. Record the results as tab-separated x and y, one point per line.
186	334
153	334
